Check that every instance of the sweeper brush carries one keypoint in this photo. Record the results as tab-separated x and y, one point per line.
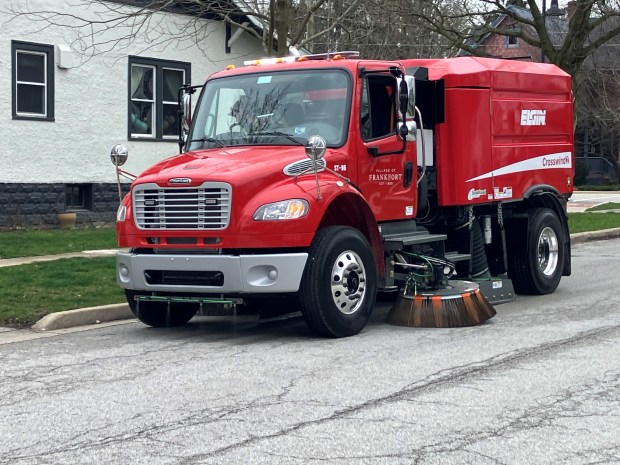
458	304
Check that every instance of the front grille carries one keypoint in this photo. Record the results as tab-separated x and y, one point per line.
203	207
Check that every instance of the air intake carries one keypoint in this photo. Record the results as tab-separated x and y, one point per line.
300	166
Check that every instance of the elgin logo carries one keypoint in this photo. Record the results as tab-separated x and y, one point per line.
533	117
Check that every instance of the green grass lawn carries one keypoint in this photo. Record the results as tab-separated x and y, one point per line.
28	292
30	243
605	206
582	222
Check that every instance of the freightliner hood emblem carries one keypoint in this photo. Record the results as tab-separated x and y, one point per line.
179	181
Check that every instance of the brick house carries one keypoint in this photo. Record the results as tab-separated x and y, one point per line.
500	46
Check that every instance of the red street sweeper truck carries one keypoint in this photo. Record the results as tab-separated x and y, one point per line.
312	183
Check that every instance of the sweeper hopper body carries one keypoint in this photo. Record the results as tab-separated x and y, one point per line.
314	183
502	128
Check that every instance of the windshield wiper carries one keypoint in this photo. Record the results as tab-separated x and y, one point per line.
279	133
209	139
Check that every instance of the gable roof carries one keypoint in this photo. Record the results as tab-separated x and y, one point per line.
206	9
190	8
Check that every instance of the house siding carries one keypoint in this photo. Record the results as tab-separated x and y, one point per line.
25	205
38	157
495	46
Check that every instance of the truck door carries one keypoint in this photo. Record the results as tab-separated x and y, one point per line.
386	177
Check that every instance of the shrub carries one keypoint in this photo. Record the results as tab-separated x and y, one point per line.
599	187
581	173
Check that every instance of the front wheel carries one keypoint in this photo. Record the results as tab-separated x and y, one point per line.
160	314
338	287
538	270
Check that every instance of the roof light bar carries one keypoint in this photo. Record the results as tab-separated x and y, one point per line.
333	55
270	61
293	59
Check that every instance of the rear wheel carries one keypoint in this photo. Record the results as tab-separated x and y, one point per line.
160	314
538	270
338	288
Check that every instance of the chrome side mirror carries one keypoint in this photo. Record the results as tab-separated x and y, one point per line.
403	97
315	148
186	105
410	80
119	155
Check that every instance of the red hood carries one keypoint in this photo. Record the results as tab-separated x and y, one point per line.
230	164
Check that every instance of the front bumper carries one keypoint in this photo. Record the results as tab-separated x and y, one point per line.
217	274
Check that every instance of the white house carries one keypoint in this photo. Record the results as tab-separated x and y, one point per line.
73	96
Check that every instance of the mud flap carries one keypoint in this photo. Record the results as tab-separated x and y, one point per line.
566	269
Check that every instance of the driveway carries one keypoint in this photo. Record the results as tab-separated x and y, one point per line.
582	200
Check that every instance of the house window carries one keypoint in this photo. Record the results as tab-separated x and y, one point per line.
78	197
153	88
32	81
512	42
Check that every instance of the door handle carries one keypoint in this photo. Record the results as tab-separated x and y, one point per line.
408	174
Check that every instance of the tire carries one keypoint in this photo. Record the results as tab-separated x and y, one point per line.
339	285
156	314
538	270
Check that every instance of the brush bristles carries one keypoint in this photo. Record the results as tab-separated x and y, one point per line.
426	311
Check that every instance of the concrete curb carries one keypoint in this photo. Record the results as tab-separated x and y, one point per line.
580	238
82	317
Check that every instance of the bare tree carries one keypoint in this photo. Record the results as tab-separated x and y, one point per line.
592	24
597	133
376	28
115	23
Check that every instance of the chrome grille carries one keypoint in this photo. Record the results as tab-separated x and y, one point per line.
203	207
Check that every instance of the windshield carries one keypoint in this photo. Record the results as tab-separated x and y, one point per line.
283	108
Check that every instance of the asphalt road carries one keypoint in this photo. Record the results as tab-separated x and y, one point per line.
538	384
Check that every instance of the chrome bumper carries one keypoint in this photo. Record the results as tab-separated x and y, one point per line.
269	273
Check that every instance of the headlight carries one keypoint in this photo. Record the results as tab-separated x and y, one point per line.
121	213
284	210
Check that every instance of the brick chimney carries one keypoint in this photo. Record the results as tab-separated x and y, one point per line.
570	9
554	10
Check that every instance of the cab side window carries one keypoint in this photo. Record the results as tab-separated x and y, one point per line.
378	107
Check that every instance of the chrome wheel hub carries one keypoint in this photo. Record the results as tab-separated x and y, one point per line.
548	251
348	282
